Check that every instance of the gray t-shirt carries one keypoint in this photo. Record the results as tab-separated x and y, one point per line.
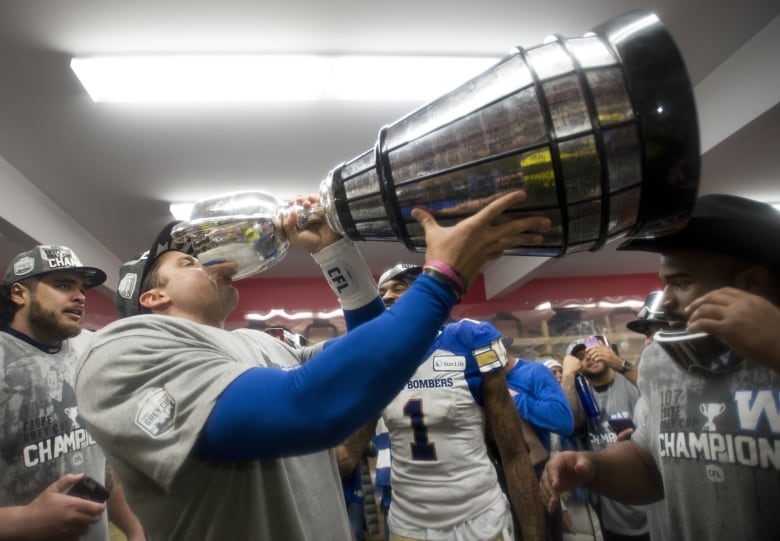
617	400
146	389
716	440
42	436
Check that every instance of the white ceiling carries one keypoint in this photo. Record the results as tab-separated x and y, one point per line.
99	177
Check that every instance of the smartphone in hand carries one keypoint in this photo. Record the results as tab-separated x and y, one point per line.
89	489
620	424
597	340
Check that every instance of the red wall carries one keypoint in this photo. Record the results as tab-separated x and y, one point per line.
313	294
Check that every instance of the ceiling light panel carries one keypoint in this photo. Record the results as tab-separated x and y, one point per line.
230	78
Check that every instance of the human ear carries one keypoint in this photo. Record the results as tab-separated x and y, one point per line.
18	294
153	299
755	279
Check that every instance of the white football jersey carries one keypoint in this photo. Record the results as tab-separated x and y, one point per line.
441	473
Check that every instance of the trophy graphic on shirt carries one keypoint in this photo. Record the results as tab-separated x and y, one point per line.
600	131
710	411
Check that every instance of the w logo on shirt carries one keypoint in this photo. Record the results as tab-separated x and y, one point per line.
752	406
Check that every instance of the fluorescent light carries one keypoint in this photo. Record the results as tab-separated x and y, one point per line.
181	211
254	316
623	304
630	303
190	78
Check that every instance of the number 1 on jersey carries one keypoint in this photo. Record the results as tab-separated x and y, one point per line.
422	448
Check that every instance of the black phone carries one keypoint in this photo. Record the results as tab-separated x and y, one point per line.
620	424
89	489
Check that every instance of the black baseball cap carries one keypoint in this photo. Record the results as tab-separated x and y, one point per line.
48	258
725	224
133	272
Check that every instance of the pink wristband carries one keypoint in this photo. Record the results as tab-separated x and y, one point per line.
448	271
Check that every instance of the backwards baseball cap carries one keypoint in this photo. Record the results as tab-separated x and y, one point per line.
48	258
132	273
402	271
725	224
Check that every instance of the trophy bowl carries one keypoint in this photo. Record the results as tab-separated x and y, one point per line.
241	227
698	351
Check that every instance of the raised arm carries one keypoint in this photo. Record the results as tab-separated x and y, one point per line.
746	323
571	365
338	390
614	361
542	402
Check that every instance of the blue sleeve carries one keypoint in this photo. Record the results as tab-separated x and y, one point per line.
270	413
540	399
354	318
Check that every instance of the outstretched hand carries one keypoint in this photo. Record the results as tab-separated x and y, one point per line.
564	471
746	323
469	244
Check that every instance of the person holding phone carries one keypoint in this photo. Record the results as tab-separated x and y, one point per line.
49	463
616	397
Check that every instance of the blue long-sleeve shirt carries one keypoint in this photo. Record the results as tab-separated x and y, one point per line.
540	400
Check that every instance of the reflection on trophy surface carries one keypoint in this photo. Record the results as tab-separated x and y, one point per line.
600	131
244	227
241	227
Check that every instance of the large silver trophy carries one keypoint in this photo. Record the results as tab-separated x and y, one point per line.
600	131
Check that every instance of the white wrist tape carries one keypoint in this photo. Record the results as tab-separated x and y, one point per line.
347	274
491	358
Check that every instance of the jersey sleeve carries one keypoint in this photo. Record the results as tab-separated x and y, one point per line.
466	337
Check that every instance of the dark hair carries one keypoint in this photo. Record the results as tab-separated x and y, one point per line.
150	281
8	308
